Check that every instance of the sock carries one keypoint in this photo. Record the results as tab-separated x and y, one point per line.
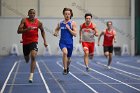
31	75
87	66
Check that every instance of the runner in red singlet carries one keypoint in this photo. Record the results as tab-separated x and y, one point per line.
87	32
109	37
29	30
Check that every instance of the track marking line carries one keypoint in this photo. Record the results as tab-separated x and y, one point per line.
58	63
14	78
121	73
25	84
4	86
112	78
98	80
126	65
119	70
61	87
42	77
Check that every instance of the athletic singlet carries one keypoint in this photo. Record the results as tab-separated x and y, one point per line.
32	35
66	37
88	32
108	38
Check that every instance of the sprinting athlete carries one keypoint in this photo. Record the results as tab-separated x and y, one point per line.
68	30
87	32
29	30
109	37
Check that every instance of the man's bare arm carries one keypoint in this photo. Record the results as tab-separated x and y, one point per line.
56	30
73	31
21	28
102	33
43	33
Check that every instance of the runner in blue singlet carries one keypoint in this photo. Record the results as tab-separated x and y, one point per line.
68	30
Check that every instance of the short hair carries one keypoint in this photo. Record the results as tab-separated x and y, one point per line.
68	9
31	10
109	22
88	14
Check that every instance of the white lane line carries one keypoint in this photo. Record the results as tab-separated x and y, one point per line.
37	84
14	78
126	65
46	86
58	63
26	72
102	82
5	83
112	78
61	87
120	70
121	73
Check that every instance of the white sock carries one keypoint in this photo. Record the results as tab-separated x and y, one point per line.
31	76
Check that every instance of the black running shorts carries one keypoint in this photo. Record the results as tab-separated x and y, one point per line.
29	47
108	49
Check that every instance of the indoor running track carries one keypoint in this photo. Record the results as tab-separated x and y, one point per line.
123	77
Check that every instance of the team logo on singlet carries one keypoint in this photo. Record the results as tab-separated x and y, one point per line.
109	35
63	28
88	35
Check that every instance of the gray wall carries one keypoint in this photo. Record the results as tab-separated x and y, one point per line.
53	8
9	36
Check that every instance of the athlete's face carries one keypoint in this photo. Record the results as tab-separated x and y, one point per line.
88	19
31	14
109	25
67	15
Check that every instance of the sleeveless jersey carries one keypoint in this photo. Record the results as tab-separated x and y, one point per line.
32	35
108	38
88	32
66	37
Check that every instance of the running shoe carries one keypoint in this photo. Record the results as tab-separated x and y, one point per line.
65	72
87	69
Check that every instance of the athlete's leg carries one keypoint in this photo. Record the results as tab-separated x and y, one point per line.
110	55
33	64
27	58
26	52
33	54
91	51
70	49
65	60
63	47
86	55
110	59
33	60
68	64
106	54
69	60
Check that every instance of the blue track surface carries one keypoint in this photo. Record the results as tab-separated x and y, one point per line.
123	77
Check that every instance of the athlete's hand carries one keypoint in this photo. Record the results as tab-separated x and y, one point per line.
67	26
96	34
115	41
55	34
45	44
